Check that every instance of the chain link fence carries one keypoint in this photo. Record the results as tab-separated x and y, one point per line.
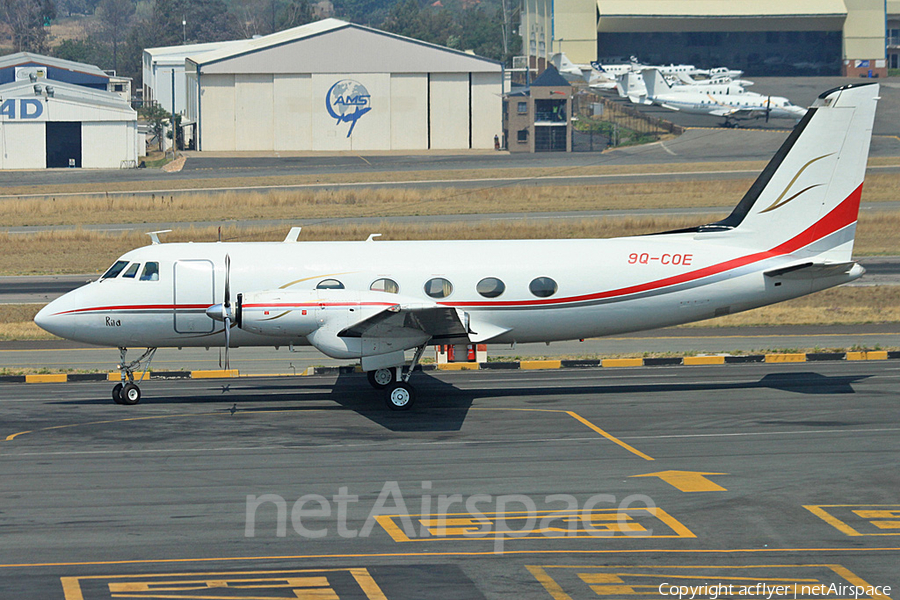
601	123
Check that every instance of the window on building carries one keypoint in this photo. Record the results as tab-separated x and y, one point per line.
522	136
522	107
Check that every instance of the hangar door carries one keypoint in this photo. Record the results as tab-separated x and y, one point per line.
63	144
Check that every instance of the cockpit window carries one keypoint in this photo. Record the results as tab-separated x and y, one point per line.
115	269
150	272
132	270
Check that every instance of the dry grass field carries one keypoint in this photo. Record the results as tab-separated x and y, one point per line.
83	251
280	204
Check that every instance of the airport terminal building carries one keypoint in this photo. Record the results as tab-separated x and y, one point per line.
765	37
333	85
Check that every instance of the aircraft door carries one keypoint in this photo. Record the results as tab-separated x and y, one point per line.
194	292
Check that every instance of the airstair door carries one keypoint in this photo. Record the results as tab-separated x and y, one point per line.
194	293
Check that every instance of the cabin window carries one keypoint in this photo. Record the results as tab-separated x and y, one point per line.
132	270
490	287
542	287
115	269
330	284
438	287
150	272
385	285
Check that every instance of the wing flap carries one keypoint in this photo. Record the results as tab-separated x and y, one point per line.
442	324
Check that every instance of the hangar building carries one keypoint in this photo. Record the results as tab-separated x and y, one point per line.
59	114
333	85
774	37
163	73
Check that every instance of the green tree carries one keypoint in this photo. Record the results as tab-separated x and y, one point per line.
25	20
88	51
158	118
115	16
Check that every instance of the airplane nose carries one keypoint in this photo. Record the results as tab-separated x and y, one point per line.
43	318
49	319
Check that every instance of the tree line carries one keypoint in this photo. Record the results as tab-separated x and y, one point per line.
117	31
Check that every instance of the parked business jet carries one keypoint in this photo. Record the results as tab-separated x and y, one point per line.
727	101
790	235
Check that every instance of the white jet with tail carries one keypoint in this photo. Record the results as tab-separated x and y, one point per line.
790	235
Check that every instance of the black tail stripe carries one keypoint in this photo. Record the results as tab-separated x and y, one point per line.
743	208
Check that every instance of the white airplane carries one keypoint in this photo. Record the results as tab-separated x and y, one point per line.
790	235
727	101
573	73
633	85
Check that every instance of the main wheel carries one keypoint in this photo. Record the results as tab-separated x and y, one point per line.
117	393
380	378
400	396
131	394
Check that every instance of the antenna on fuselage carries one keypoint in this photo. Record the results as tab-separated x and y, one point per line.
154	236
293	234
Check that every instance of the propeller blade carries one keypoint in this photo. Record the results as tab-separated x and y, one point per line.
227	281
768	107
227	340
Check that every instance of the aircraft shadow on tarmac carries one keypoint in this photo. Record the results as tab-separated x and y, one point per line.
442	406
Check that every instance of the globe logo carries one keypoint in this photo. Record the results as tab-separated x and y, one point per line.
347	101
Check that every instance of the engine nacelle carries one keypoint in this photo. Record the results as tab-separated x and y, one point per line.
319	315
280	313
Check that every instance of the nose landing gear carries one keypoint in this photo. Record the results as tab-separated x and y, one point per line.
127	392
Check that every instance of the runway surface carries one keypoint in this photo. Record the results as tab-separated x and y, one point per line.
557	484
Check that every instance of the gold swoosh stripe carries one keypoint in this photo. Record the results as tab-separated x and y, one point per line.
777	205
778	201
276	316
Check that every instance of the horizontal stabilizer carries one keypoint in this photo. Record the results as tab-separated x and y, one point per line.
811	270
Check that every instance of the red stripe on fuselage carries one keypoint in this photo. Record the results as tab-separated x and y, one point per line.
841	216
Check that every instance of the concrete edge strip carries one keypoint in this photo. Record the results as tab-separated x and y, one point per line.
487	366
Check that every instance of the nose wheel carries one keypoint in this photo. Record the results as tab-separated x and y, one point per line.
127	391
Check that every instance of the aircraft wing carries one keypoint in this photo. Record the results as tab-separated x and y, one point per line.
745	113
442	324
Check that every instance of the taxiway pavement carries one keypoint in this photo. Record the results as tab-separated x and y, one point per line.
555	484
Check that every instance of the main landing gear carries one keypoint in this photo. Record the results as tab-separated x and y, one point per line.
127	392
394	381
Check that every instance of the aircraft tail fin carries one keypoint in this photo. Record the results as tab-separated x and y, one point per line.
654	82
806	200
